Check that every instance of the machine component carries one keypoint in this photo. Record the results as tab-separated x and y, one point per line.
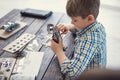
55	33
19	43
10	26
6	67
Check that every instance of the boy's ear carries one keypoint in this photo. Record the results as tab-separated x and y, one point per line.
91	18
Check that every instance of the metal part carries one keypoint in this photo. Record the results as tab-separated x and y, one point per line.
53	29
19	43
10	26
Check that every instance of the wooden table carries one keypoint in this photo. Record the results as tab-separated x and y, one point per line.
50	69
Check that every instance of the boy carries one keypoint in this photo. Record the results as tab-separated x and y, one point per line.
90	42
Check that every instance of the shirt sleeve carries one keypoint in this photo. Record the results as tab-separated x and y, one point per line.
83	53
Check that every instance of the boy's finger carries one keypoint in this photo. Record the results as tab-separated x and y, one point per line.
63	30
60	39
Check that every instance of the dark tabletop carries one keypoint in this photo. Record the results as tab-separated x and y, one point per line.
50	68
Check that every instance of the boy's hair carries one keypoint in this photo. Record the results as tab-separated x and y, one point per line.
82	8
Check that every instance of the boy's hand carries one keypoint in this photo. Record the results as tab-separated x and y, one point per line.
57	47
62	28
58	50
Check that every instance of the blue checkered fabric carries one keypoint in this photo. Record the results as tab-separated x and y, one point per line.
89	51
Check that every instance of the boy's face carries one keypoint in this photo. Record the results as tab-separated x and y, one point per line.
79	22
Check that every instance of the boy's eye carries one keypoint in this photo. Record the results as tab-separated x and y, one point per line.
75	20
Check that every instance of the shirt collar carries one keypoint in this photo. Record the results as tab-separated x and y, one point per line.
86	29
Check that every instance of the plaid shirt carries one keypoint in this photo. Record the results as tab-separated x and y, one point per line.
89	51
